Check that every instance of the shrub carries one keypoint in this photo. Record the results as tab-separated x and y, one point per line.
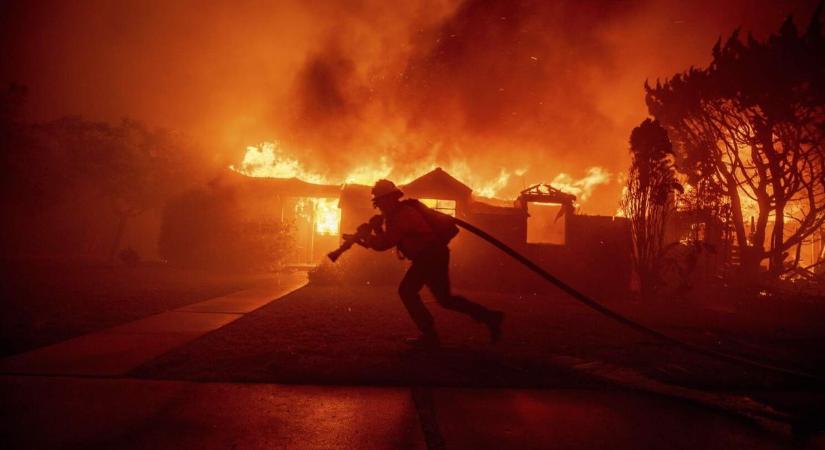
206	229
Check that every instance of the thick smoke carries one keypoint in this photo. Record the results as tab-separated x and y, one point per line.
509	85
530	87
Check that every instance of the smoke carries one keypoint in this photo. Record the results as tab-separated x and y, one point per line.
529	89
506	85
542	88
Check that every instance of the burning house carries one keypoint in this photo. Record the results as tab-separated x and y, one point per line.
541	223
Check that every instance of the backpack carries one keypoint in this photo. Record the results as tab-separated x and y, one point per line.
442	224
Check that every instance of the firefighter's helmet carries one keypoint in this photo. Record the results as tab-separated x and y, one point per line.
385	188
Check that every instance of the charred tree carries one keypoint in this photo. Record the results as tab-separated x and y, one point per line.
648	199
752	126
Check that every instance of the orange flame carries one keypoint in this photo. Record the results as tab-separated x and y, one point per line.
270	159
583	187
327	216
323	213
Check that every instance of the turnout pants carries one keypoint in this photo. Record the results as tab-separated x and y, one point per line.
431	268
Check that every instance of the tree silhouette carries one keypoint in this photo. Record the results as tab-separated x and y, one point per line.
127	166
71	184
752	126
206	228
648	199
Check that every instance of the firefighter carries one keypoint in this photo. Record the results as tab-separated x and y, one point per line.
421	235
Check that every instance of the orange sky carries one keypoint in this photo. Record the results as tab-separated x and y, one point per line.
546	87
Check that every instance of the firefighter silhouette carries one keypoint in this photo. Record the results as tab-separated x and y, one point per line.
421	235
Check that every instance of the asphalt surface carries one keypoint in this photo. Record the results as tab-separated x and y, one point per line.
219	382
74	413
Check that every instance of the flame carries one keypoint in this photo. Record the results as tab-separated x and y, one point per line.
489	188
444	206
270	159
327	216
583	187
323	212
369	174
749	206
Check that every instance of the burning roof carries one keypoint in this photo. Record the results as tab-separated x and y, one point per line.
438	184
545	193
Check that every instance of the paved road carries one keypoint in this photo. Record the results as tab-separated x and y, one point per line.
91	413
61	413
45	405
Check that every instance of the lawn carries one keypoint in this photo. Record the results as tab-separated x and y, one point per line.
48	301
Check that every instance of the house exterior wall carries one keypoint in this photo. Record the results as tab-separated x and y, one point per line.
595	257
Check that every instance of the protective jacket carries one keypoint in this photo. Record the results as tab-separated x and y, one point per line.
408	230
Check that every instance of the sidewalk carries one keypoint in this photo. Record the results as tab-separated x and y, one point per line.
117	350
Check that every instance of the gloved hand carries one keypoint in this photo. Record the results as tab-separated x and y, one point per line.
376	222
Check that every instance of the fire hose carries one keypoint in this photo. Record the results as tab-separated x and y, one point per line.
351	239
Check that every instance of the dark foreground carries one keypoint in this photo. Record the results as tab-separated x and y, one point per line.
330	335
233	372
47	301
333	335
134	414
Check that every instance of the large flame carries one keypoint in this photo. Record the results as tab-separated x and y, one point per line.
323	213
271	160
327	216
583	187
